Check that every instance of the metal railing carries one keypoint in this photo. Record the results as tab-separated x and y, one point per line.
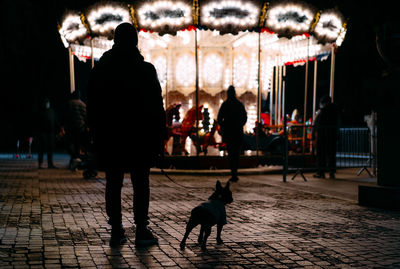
347	147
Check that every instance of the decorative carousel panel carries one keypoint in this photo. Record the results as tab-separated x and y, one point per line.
290	18
104	18
329	26
160	63
72	29
185	72
252	83
241	72
164	16
212	69
230	16
267	71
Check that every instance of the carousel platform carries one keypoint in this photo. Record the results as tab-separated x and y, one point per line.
218	165
206	164
261	170
214	162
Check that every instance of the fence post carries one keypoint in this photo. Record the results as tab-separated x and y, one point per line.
285	136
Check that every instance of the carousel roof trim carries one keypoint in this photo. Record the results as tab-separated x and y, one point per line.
161	13
286	18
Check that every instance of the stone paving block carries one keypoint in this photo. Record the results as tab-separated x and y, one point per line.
56	219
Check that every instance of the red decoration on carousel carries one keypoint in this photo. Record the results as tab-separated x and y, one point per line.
300	61
266	30
146	31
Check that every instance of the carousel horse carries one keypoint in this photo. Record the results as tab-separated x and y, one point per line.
209	138
188	127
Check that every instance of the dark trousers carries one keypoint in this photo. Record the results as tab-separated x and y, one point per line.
326	154
77	142
233	157
141	196
46	143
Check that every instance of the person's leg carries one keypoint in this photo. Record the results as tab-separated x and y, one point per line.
320	159
141	200
51	141
40	150
114	182
141	196
233	157
331	159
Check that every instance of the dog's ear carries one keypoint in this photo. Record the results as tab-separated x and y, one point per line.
227	185
218	185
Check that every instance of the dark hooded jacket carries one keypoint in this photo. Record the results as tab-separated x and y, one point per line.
75	119
232	117
125	110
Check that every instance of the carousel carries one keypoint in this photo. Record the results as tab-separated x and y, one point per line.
199	48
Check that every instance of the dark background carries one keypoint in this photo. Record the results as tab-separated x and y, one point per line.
34	62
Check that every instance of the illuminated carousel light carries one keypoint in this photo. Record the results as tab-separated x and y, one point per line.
230	12
105	19
253	76
341	37
240	69
212	69
267	71
185	71
252	118
200	62
181	114
267	39
84	53
329	26
72	28
227	78
164	13
210	112
185	36
160	63
290	16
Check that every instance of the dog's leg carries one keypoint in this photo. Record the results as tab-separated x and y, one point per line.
189	227
200	239
207	232
219	230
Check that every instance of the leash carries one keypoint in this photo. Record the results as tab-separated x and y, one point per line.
173	181
163	172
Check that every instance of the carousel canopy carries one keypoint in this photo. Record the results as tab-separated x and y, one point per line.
230	36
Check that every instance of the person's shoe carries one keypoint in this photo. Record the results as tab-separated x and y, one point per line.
234	179
332	175
117	236
319	175
40	166
52	166
144	237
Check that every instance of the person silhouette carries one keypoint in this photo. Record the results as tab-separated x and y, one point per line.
76	129
324	135
48	127
127	122
232	117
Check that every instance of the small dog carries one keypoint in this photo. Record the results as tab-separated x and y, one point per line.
208	214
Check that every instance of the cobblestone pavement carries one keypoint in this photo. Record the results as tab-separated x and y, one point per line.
56	219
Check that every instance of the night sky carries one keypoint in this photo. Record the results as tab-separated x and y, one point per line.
35	63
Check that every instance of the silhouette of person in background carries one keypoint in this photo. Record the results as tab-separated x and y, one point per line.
324	135
48	127
232	117
127	120
76	129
